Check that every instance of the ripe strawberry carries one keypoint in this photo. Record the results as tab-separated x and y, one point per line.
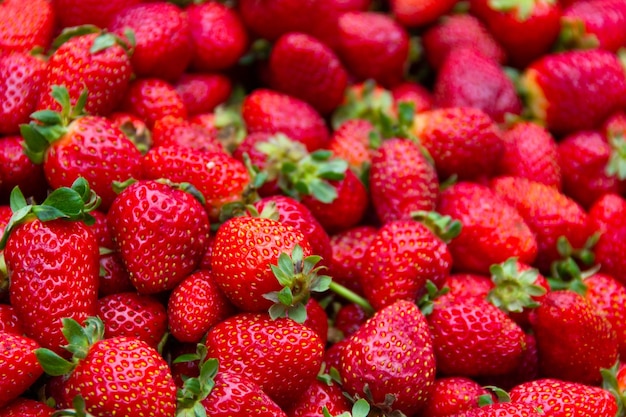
466	68
196	305
218	36
456	31
468	285
317	319
416	94
79	12
121	375
401	180
173	228
25	25
317	396
559	398
574	90
373	45
608	213
594	24
96	61
273	112
348	250
65	284
526	29
9	322
503	410
462	141
349	319
351	142
453	395
18	366
133	315
281	356
493	231
574	341
23	407
162	34
399	330
151	99
113	277
414	13
175	131
530	151
201	93
17	170
606	216
72	145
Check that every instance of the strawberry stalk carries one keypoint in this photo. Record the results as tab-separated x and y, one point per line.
352	297
360	408
514	289
443	227
566	272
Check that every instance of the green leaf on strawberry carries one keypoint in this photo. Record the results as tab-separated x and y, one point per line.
514	289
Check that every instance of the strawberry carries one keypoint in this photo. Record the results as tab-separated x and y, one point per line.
218	36
23	407
79	12
462	70
350	142
455	31
176	131
526	29
493	231
18	365
607	217
173	227
65	285
574	90
130	314
151	99
531	152
503	410
113	277
162	34
468	285
9	322
269	111
348	319
559	398
594	24
195	305
414	93
348	250
17	170
462	141
26	25
120	375
574	341
201	93
412	13
281	356
302	66
402	180
317	319
399	330
452	395
72	145
372	45
87	58
320	395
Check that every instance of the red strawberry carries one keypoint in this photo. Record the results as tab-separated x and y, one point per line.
201	93
503	410
172	226
350	142
414	93
175	131
120	375
452	395
26	25
23	407
18	366
348	250
596	24
319	395
607	217
574	341
218	36
114	277
151	99
455	31
317	319
195	305
9	322
397	331
162	34
574	90
420	12
17	170
133	315
79	12
493	231
281	356
462	141
349	319
468	285
469	78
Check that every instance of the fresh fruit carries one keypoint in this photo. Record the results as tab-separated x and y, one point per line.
26	25
203	92
18	365
420	12
151	99
23	407
594	25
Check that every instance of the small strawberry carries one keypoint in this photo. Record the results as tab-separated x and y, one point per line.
414	13
319	398
83	12
202	93
16	169
176	131
453	395
348	250
506	409
151	99
23	407
26	25
18	366
351	142
594	24
349	319
113	277
413	93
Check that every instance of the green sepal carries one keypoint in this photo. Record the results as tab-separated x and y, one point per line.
524	8
49	117
611	384
195	390
369	104
79	409
52	363
34	145
616	167
119	186
501	395
18	217
443	227
513	289
426	303
72	32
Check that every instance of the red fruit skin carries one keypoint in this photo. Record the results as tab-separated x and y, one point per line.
133	315
113	278
348	250
218	36
397	331
269	111
317	396
559	398
531	152
606	216
468	285
17	170
502	410
151	99
401	180
26	25
21	79
413	93
459	30
399	261
195	305
53	268
607	213
528	369
373	45
281	356
105	74
173	227
100	229
18	366
81	12
162	32
9	321
563	89
201	93
574	341
492	232
602	21
350	142
123	375
304	67
23	407
469	78
175	131
461	140
453	395
349	319
414	13
317	319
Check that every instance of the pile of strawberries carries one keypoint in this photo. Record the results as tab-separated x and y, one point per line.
313	208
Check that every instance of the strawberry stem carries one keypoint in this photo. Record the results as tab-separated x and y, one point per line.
351	296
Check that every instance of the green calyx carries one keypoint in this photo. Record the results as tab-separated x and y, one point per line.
103	41
426	303
371	103
79	409
79	338
566	273
573	35
360	408
616	167
298	277
487	399
73	203
48	126
189	397
514	289
524	8
611	384
442	226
